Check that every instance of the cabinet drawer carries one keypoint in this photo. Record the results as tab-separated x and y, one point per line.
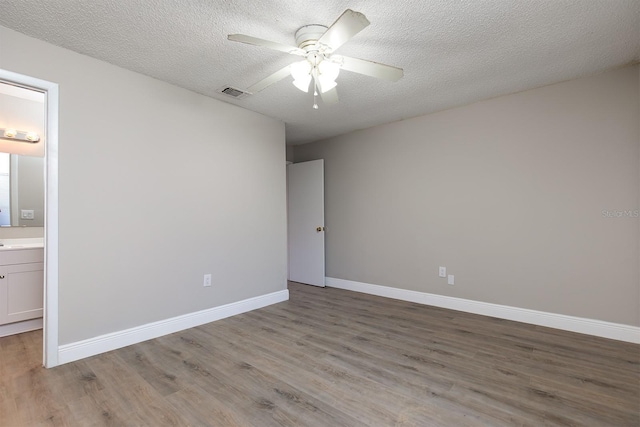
22	256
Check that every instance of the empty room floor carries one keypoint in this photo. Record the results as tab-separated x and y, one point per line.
329	357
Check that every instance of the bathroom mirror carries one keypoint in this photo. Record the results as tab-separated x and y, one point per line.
21	191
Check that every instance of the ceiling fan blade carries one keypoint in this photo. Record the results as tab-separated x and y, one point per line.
346	26
330	97
273	78
266	43
370	68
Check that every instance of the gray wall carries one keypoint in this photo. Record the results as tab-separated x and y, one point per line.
290	153
21	232
157	186
508	194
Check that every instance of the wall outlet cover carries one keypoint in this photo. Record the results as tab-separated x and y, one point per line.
26	214
442	271
450	279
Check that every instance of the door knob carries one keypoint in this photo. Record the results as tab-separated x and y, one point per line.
319	229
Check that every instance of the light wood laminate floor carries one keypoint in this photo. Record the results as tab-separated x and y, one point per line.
330	357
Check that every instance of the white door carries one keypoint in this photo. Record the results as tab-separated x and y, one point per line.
305	193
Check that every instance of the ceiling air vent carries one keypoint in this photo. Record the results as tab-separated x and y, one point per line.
234	93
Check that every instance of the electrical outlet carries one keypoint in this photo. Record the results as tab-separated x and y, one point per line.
207	280
450	279
442	272
26	214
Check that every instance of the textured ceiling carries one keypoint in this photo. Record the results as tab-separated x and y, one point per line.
453	52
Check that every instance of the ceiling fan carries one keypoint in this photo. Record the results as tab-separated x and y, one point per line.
320	66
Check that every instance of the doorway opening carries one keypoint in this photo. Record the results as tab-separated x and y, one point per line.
50	291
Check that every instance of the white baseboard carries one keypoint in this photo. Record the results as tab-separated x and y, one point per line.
20	327
581	325
101	344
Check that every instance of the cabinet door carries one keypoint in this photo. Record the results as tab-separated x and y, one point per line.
21	292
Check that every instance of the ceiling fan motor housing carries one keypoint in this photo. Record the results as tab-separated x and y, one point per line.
307	36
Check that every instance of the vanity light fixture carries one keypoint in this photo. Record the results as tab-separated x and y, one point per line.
32	137
19	135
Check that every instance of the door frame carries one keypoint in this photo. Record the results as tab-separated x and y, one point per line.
51	314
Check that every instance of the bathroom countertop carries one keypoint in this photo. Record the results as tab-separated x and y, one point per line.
21	244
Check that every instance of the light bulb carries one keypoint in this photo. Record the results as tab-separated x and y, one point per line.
33	137
10	133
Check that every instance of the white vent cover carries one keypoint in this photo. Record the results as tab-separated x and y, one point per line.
234	92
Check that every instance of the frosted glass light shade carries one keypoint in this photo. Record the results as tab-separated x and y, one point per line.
329	70
325	84
303	83
328	74
301	73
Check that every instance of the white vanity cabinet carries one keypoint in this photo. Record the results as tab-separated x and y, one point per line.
21	284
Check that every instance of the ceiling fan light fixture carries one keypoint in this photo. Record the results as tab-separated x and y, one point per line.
320	67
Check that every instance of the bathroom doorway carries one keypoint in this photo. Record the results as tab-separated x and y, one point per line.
48	91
